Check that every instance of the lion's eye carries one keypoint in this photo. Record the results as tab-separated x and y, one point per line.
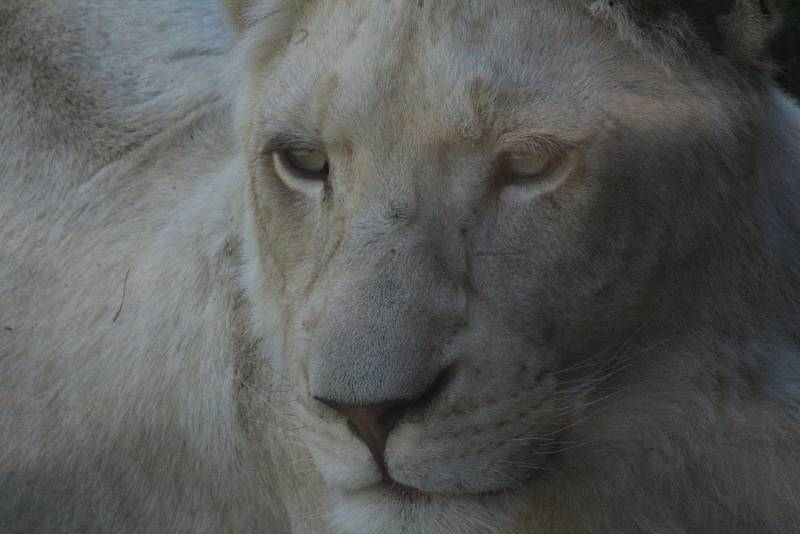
305	163
303	169
527	166
525	175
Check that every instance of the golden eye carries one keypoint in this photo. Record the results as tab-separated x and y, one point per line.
522	166
305	163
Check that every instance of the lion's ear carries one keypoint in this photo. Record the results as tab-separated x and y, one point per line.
237	10
739	28
748	28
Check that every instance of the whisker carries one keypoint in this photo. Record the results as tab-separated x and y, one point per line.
526	465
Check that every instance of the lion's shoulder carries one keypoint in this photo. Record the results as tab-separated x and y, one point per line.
95	78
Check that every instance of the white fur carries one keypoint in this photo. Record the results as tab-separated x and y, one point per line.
623	344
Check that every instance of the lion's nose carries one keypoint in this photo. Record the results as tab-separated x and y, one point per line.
372	423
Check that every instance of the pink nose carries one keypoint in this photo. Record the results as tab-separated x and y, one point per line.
372	423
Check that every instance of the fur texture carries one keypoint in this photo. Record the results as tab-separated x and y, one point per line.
615	342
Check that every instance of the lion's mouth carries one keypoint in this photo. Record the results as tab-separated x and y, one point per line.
387	486
410	494
404	492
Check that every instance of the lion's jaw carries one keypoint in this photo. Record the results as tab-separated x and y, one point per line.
414	268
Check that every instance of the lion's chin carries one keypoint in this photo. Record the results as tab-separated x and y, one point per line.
392	507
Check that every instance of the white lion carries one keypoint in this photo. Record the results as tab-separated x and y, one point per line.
397	266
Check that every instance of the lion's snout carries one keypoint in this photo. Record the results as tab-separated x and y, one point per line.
372	423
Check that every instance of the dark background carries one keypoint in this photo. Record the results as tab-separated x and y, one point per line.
787	49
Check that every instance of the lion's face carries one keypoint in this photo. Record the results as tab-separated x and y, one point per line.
456	207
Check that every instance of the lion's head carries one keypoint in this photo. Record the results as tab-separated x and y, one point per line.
476	218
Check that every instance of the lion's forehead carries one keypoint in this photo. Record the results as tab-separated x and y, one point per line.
443	68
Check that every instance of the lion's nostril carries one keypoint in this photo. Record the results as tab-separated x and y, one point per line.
372	423
369	423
